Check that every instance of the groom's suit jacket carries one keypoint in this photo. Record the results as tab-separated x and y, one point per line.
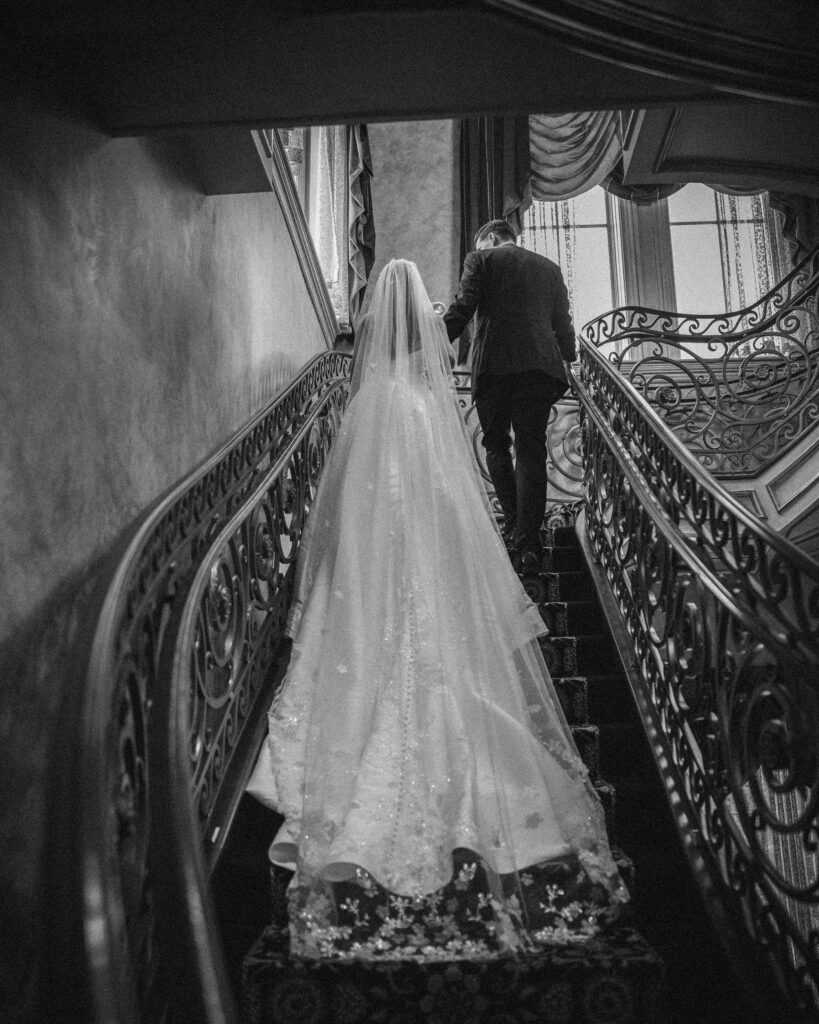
521	308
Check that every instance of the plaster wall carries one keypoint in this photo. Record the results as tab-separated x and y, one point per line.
141	324
416	195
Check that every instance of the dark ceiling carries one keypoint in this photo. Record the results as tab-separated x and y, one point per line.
148	66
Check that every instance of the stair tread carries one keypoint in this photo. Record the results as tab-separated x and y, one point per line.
614	969
571	603
273	947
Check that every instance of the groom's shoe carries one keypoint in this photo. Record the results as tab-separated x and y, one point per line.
529	564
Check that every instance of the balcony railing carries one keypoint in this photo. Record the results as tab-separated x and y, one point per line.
738	389
718	619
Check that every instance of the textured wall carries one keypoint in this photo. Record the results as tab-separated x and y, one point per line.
141	323
415	200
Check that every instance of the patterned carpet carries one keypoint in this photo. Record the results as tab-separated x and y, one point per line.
612	979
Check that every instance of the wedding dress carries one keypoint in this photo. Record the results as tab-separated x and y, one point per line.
417	720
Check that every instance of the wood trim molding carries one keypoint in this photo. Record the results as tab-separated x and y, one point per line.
647	266
796	480
804	530
668	137
699	50
750	500
274	158
705	170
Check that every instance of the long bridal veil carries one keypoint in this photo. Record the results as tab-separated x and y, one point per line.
417	722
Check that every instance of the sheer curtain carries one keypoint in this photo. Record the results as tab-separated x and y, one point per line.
701	250
332	169
330	220
576	234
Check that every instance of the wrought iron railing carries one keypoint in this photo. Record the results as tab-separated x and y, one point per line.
174	704
724	624
739	389
720	617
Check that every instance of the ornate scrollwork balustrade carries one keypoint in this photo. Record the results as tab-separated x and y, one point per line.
721	617
175	696
739	388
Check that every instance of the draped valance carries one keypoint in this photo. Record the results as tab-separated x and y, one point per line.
571	153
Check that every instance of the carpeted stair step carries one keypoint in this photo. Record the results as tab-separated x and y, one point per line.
571	618
615	977
578	655
562	586
560	655
595	653
602	696
608	798
559	537
587	738
622	750
640	814
609	698
574	698
562	559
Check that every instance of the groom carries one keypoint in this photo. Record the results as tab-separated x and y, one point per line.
523	334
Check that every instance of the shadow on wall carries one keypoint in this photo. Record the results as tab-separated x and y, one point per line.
43	671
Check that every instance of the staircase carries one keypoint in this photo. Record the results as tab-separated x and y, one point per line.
614	978
183	862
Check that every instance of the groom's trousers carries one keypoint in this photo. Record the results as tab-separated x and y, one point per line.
520	402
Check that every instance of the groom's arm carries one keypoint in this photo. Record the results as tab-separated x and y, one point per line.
466	301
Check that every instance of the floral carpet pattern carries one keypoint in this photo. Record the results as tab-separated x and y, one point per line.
611	979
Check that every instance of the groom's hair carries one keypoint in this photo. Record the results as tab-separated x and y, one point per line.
502	228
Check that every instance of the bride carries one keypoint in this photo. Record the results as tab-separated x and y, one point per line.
417	749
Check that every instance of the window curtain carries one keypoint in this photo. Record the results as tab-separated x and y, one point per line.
331	216
361	230
494	155
343	220
494	173
737	263
800	222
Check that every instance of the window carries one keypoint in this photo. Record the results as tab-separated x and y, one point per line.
721	249
575	233
318	160
699	251
296	142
